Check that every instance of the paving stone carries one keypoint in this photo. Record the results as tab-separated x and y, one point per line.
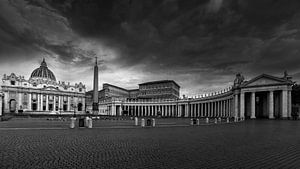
251	144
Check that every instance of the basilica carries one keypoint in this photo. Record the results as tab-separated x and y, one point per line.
40	94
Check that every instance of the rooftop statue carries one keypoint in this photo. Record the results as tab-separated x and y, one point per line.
239	79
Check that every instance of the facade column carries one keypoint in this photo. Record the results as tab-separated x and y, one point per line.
29	102
149	110
6	104
284	102
42	102
59	101
252	105
152	114
19	101
47	102
271	105
38	104
69	103
242	106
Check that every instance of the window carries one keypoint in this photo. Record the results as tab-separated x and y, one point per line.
34	84
12	82
80	90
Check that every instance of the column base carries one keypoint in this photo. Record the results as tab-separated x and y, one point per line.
252	117
271	117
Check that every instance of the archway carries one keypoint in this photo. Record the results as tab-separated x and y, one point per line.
79	107
12	105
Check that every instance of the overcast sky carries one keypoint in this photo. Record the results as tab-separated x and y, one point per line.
201	44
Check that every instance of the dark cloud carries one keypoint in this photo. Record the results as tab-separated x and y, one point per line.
207	41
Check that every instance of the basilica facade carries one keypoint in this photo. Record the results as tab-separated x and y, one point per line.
40	94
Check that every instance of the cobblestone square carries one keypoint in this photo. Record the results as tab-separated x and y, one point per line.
249	144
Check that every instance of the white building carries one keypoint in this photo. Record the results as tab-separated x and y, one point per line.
40	94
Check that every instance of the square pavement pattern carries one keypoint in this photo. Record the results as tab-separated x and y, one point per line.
249	144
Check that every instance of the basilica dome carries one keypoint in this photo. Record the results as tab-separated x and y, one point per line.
43	73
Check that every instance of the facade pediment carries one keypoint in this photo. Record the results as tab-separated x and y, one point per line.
264	80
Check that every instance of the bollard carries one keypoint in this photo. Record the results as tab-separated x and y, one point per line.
90	123
219	119
72	124
191	122
227	120
216	120
207	120
198	122
136	121
153	122
235	119
143	122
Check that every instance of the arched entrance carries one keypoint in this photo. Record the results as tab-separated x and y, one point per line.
12	105
79	107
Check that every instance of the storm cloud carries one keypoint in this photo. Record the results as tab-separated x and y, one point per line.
199	44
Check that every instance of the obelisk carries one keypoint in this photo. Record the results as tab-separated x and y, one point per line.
95	89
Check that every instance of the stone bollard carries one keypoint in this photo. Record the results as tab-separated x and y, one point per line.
198	122
227	120
143	122
192	122
216	120
90	123
207	120
72	124
235	119
219	119
136	121
153	122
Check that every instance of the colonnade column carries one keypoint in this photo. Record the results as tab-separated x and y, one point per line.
236	106
242	106
1	105
284	102
271	105
253	105
289	103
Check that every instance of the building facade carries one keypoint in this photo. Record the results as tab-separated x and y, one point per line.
165	89
40	94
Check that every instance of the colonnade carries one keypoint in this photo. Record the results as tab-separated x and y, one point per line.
201	107
284	108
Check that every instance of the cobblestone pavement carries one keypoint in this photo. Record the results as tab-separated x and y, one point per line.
250	144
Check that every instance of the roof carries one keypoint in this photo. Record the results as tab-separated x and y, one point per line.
114	86
280	80
159	82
